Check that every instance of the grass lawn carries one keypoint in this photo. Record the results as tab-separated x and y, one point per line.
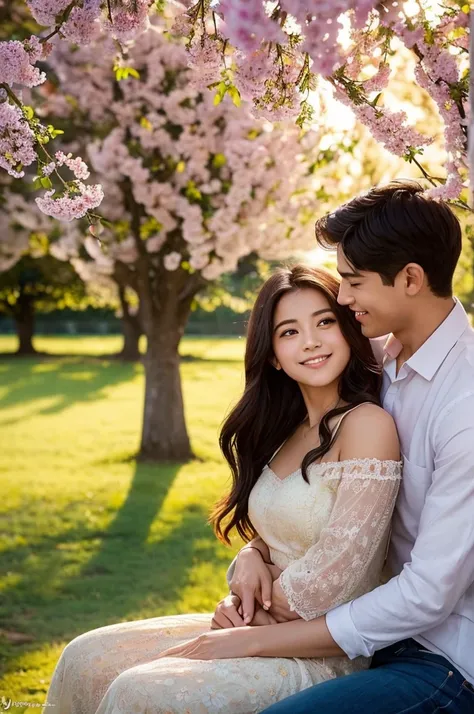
89	537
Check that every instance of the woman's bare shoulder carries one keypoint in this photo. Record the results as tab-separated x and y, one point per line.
369	432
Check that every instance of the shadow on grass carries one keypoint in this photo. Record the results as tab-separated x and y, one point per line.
68	381
55	599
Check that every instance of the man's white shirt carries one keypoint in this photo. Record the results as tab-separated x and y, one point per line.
431	554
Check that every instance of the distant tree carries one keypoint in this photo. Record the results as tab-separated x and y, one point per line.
38	284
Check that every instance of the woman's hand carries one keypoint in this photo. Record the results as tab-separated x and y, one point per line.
218	644
280	609
262	617
227	614
251	581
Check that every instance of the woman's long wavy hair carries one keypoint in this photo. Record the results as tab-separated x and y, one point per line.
272	405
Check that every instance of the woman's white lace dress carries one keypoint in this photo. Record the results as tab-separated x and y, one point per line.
328	536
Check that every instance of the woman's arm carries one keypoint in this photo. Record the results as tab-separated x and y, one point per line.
260	545
332	570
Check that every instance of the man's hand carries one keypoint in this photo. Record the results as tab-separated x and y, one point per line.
252	581
226	614
280	608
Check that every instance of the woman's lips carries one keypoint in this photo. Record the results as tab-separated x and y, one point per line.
316	362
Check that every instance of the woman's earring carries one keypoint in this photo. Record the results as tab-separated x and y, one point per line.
277	365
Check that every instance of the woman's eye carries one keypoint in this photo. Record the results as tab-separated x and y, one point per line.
287	332
354	285
327	321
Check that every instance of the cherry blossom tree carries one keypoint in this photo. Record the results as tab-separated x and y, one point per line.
272	53
34	275
191	187
39	284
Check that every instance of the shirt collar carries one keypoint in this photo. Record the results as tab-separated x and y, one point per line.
429	357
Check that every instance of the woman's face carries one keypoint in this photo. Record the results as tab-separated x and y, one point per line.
307	341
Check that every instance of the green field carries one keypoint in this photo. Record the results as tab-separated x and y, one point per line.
88	536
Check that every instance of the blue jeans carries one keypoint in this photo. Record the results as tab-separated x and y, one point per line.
402	679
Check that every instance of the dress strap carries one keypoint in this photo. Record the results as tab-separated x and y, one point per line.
336	428
333	436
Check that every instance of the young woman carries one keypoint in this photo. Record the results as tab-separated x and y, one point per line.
315	465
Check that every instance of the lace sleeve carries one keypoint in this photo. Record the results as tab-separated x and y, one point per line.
353	542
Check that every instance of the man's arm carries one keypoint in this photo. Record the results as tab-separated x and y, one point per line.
442	560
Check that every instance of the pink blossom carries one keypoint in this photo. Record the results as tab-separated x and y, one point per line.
48	169
205	62
387	127
247	24
380	80
17	142
17	60
77	165
83	25
46	11
154	243
448	191
127	25
172	261
182	25
252	71
212	270
198	262
71	205
453	134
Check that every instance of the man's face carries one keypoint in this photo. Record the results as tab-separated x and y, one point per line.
379	308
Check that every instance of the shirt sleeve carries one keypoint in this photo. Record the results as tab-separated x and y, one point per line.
442	560
351	548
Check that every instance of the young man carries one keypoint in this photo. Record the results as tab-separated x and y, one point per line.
397	251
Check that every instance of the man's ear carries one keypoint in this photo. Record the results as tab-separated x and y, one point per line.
414	277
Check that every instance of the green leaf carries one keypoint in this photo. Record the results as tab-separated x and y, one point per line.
28	112
235	95
219	161
146	123
222	88
46	182
125	73
375	101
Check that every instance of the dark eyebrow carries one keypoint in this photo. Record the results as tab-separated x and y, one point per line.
354	274
291	322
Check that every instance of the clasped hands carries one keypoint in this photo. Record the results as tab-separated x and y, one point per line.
257	597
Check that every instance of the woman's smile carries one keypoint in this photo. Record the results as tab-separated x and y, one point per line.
316	362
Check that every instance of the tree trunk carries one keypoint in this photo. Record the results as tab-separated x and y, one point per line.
164	436
165	303
24	317
132	331
165	313
131	339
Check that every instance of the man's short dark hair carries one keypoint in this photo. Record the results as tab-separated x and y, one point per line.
388	227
